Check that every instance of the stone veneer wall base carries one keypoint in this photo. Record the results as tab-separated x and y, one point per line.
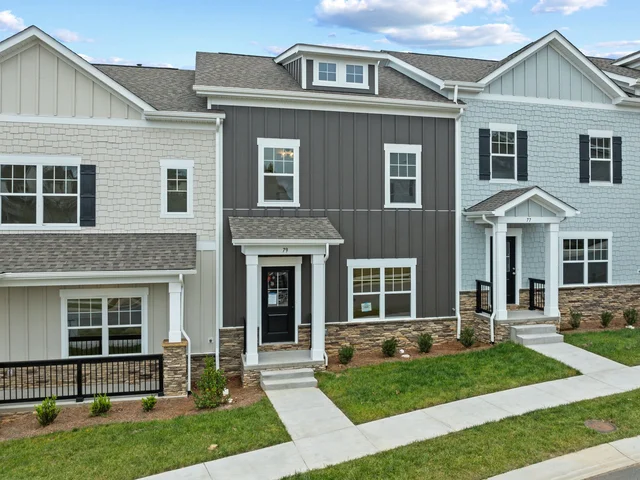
175	368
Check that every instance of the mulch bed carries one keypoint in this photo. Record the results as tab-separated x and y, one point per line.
594	326
374	358
20	425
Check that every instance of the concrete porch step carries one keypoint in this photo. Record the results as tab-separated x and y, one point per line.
539	329
539	339
287	379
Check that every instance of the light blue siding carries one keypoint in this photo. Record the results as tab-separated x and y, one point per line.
547	74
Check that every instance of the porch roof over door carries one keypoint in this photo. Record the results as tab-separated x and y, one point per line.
283	230
522	203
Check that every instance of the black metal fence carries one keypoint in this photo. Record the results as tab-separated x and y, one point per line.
484	297
80	377
536	294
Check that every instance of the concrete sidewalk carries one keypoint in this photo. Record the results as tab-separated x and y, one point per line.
322	435
581	465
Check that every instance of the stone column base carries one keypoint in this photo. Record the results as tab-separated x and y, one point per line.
174	362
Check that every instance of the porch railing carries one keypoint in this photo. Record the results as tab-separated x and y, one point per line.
484	297
80	377
536	294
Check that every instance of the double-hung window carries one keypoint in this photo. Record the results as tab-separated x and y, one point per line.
586	259
600	158
503	152
403	185
278	172
382	289
104	322
39	192
176	188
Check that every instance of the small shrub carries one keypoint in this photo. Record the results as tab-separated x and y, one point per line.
389	347
630	316
210	392
100	406
47	411
345	354
605	318
425	342
468	337
575	318
148	403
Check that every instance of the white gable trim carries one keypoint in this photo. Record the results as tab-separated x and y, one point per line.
563	46
33	33
631	58
537	195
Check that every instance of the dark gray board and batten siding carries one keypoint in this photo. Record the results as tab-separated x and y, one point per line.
342	178
295	70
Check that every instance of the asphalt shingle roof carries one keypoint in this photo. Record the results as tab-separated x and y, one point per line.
449	68
97	252
498	200
282	228
607	65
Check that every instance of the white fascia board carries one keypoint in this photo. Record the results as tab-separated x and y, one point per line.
300	48
567	49
544	199
33	32
627	102
622	78
275	241
626	60
466	87
194	117
415	73
91	278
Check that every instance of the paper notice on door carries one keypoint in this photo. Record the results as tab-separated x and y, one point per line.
365	307
273	298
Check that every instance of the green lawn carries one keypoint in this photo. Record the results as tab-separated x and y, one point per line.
369	393
133	450
621	346
495	448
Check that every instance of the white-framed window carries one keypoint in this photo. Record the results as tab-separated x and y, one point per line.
278	172
585	258
104	322
382	289
176	185
403	176
340	73
504	164
600	156
39	192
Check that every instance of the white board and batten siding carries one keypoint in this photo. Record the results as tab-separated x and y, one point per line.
548	74
37	82
529	209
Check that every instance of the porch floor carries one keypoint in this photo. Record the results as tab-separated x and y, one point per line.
282	359
522	316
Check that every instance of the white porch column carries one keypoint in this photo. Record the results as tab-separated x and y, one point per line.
551	258
252	309
175	312
500	270
317	307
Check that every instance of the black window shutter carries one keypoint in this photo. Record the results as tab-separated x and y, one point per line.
87	195
584	159
617	159
485	154
523	155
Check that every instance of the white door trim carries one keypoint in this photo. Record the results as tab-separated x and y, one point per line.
295	262
511	232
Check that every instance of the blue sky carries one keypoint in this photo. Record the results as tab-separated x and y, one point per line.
165	32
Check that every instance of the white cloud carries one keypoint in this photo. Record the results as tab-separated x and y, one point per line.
444	36
274	49
67	36
347	45
8	21
613	49
566	7
122	61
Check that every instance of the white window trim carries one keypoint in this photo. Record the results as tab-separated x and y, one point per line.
585	236
511	232
103	293
341	74
504	127
601	134
279	143
39	162
390	148
381	263
178	164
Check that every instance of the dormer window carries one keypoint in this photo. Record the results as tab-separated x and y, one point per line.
327	72
355	74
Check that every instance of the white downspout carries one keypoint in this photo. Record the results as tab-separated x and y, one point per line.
326	257
458	219
184	333
219	238
493	290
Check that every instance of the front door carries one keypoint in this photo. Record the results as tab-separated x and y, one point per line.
278	304
511	268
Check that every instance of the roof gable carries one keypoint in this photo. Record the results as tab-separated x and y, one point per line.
41	77
632	60
532	200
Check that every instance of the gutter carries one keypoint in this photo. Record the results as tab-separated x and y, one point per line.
93	274
219	237
458	218
493	290
192	117
628	101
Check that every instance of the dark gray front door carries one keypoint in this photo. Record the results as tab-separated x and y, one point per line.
511	268
278	304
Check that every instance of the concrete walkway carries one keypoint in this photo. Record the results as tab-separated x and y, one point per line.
322	435
582	465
